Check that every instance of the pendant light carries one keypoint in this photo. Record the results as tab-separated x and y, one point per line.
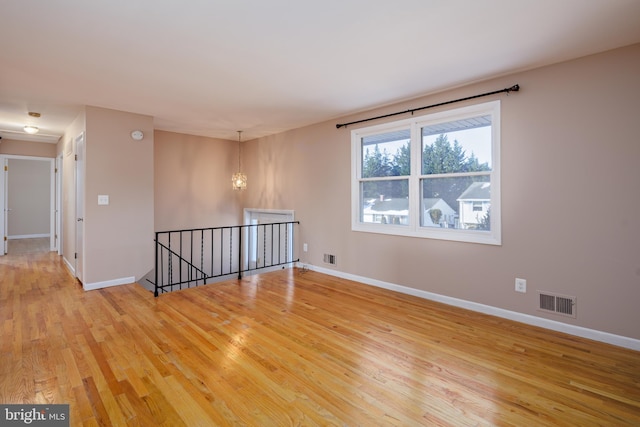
239	180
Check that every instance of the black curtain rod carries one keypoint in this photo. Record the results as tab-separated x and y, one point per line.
514	88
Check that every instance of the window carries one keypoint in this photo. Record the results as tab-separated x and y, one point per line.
435	176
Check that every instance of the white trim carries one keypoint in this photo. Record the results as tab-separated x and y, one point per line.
15	156
109	283
248	213
52	205
52	192
58	205
3	201
70	266
414	228
605	337
28	236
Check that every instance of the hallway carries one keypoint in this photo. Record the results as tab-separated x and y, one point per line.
27	246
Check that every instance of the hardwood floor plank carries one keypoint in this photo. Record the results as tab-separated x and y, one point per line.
292	348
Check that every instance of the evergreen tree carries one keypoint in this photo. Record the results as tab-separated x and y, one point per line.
485	222
442	157
401	164
376	164
379	164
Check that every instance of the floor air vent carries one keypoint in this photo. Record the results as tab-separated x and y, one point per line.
558	304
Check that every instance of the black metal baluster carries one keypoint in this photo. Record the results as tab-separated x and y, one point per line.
264	245
201	254
230	250
239	252
170	264
286	242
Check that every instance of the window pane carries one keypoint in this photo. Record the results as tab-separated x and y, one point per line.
460	202
386	154
458	146
385	202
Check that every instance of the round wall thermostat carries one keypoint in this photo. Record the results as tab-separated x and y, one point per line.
137	135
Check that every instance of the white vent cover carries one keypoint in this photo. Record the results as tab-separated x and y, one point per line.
330	259
558	304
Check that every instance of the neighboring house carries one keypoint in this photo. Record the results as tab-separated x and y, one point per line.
389	211
396	211
448	214
474	204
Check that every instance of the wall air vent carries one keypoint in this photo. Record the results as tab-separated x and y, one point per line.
330	259
557	304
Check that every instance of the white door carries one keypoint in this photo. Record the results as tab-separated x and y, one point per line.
4	164
268	245
79	177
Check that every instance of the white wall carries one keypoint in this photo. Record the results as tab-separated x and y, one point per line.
570	198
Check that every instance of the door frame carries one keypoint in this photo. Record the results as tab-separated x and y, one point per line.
79	148
288	216
4	181
3	204
58	208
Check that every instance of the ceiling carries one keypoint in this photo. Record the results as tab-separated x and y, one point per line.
212	67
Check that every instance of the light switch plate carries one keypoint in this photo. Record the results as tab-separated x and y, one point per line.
103	199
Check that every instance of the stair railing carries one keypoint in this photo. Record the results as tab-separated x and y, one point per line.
194	257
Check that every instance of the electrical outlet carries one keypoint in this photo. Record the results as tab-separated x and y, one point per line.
521	285
305	247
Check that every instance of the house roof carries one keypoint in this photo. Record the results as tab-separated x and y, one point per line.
395	205
428	203
477	191
402	205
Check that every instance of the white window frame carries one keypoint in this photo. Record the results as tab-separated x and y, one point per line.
414	229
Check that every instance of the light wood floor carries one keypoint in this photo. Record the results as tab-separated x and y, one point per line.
292	348
24	246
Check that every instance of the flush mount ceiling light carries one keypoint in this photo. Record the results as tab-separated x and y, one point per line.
239	180
30	129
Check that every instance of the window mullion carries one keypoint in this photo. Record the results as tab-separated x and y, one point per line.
414	179
455	174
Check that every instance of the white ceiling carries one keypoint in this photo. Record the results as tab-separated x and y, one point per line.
212	67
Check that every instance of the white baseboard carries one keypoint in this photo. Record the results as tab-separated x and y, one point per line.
553	325
70	266
28	236
108	283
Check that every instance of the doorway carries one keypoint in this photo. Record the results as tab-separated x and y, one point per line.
267	245
27	204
